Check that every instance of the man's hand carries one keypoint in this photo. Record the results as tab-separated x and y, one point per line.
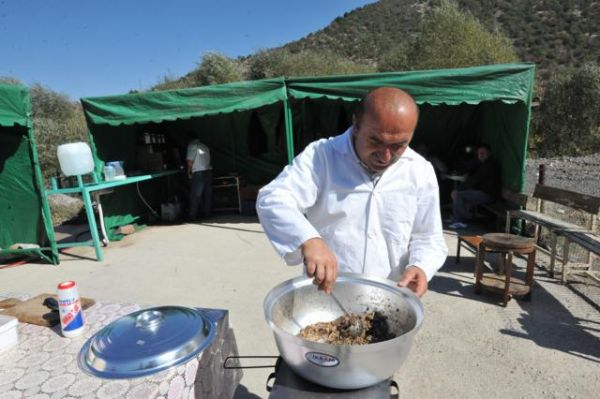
414	278
320	263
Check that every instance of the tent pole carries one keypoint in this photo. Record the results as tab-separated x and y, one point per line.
289	130
97	163
46	214
527	126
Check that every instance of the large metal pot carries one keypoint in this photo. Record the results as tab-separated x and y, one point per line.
297	303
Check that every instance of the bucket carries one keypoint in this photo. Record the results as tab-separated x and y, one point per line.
75	159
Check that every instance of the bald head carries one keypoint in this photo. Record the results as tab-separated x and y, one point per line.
388	102
383	126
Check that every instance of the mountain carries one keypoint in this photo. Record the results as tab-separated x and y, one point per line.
547	32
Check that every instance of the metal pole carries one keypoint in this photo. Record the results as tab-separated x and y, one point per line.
542	181
89	210
289	130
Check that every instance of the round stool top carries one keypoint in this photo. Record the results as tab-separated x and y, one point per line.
507	241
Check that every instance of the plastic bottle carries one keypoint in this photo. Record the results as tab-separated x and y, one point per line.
109	172
72	322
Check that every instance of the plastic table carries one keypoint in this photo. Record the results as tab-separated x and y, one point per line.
87	190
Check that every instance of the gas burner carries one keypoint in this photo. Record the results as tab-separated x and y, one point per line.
283	383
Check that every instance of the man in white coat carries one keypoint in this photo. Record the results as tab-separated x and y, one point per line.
361	202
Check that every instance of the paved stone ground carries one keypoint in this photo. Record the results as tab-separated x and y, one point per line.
468	347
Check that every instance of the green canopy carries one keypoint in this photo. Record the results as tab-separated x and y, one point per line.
510	84
254	128
458	107
160	106
14	105
24	213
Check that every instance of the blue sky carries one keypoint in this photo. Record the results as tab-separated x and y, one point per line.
101	47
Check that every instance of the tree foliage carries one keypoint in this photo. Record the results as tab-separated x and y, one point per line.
570	112
282	62
56	120
48	104
169	82
217	68
396	59
547	32
450	38
9	80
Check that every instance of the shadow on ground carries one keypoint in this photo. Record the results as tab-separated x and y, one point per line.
545	320
243	393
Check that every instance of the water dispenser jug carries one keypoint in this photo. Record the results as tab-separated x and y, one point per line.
75	159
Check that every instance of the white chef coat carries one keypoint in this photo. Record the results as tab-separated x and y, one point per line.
199	154
374	226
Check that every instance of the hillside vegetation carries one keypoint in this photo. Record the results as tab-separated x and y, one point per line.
560	36
547	32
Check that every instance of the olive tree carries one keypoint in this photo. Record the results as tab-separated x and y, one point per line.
570	112
56	120
450	38
216	68
282	62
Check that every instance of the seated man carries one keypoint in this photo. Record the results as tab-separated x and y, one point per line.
482	186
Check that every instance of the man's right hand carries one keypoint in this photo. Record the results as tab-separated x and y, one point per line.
320	263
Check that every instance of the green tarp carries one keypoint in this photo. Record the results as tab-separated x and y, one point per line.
24	213
506	83
160	106
254	128
14	105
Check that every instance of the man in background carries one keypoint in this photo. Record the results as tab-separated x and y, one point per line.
482	186
199	172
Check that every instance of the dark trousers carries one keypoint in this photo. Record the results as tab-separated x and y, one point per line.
201	194
466	199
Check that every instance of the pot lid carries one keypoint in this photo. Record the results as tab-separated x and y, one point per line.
146	342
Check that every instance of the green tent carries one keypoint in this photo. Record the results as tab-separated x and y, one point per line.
232	119
24	212
254	128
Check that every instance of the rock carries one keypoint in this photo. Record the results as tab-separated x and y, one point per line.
23	246
126	230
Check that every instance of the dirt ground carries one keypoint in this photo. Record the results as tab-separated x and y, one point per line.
468	347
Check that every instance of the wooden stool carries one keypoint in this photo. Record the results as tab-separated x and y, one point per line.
471	242
506	245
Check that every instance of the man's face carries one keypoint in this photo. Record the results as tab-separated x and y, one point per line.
380	141
483	154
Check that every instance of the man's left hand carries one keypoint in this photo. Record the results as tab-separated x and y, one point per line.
414	278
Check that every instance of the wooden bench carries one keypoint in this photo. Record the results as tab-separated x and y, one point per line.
581	202
589	241
509	201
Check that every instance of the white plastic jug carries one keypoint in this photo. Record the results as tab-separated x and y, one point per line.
75	159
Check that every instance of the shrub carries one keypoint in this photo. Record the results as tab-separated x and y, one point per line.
570	112
216	68
282	62
450	38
